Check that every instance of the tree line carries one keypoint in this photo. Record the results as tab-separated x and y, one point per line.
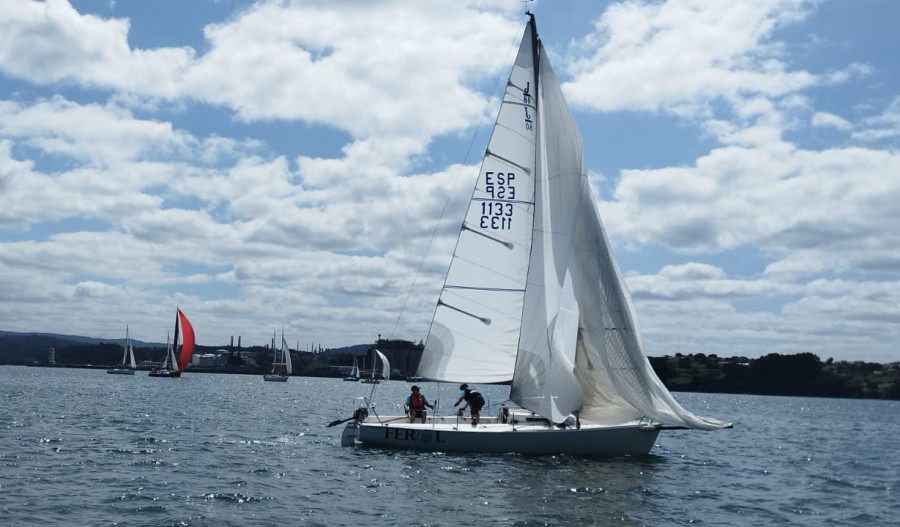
802	374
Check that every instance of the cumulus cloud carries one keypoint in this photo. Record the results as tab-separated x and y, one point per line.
681	56
830	120
50	42
881	127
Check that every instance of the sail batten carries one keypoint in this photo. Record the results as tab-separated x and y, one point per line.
507	161
504	243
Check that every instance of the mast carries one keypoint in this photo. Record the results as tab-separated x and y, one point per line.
536	66
535	55
175	343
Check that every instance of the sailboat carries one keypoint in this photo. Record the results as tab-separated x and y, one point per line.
533	297
281	363
354	373
177	358
128	365
385	370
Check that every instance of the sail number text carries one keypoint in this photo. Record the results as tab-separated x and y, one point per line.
497	212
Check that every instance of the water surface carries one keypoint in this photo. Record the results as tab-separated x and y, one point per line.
80	447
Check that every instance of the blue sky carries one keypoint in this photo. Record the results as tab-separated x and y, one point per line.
284	164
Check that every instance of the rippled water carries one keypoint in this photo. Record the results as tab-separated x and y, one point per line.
80	447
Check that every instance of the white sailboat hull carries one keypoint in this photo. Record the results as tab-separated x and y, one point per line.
448	435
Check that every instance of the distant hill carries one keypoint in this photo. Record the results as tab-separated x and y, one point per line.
29	348
358	349
22	348
76	339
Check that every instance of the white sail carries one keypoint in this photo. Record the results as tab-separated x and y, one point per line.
128	355
474	335
385	366
171	358
355	371
128	365
169	354
287	356
131	362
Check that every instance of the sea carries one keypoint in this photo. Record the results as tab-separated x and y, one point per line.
83	448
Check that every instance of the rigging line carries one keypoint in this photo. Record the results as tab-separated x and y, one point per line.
500	76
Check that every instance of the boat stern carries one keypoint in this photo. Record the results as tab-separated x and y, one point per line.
350	433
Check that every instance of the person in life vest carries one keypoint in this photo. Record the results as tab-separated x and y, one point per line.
415	405
474	401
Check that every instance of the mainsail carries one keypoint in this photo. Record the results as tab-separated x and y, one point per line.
533	293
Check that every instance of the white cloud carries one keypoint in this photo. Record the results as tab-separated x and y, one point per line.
98	135
374	69
837	202
694	280
50	42
682	55
830	120
881	127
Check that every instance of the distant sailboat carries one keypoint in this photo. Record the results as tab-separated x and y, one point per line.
281	363
354	373
177	358
385	370
128	365
534	297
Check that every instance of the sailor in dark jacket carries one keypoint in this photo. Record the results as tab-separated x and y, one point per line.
474	401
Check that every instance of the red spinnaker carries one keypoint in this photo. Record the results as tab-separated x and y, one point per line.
187	341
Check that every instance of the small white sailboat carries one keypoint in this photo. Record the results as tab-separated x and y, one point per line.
128	364
177	358
354	373
385	370
533	297
281	363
